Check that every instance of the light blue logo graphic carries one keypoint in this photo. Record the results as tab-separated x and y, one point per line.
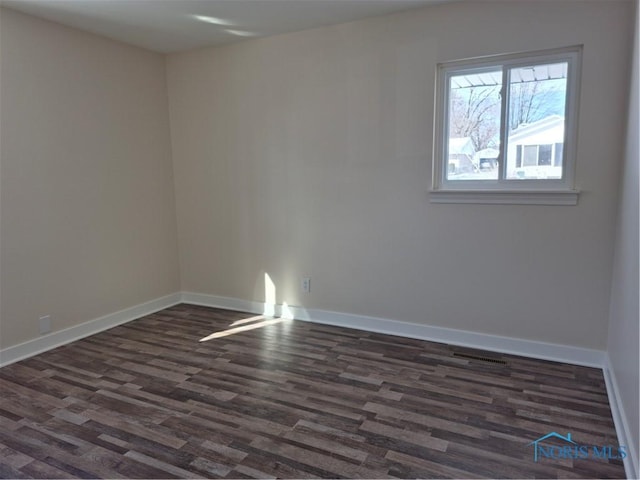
574	450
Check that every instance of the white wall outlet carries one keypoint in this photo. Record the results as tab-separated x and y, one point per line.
45	324
306	285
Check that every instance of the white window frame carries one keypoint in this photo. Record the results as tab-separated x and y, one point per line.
533	191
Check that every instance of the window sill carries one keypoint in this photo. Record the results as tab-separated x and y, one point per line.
506	197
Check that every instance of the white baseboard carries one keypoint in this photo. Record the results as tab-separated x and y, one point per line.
463	338
623	429
56	339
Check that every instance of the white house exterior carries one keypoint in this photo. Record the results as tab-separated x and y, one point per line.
461	153
535	150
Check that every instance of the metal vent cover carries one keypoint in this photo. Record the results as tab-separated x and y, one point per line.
480	358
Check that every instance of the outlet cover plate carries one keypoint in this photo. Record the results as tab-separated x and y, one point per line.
45	324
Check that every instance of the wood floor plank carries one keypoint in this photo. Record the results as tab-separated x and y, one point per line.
290	399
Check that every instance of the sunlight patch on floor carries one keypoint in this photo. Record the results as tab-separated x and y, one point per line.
248	320
244	328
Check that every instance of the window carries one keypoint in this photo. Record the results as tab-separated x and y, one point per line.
505	128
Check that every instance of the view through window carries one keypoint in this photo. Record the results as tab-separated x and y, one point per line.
534	135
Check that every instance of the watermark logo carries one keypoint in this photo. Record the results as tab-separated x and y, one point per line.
568	448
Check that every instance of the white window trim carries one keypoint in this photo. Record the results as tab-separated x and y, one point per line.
536	192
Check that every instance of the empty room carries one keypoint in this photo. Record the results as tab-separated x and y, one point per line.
319	239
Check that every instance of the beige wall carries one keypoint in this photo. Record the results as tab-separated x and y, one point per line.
624	316
309	154
306	154
86	194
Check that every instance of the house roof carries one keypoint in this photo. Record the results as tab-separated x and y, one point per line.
527	130
487	153
461	146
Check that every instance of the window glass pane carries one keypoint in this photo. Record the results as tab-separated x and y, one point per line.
557	159
537	102
544	155
474	126
530	156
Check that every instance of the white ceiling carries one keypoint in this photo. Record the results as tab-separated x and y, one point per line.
171	25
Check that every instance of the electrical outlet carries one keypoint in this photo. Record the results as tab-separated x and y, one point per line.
45	324
306	285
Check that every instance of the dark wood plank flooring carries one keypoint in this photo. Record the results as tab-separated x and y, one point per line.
291	400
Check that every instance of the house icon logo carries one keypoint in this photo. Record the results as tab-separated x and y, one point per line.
536	443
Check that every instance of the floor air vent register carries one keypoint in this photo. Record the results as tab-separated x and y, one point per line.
480	358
